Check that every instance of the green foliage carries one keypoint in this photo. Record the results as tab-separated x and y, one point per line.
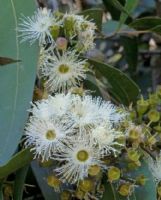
19	183
119	85
129	6
130	45
147	24
18	161
116	4
17	80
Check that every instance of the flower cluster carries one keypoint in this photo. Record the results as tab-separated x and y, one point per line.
62	39
85	136
76	131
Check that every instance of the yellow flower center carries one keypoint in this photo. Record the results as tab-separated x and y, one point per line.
82	155
50	135
63	68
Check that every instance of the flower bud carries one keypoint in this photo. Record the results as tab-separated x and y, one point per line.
54	182
125	189
153	115
142	106
151	140
79	194
133	155
132	166
157	128
54	30
134	133
86	185
113	174
69	24
141	180
61	43
65	195
94	170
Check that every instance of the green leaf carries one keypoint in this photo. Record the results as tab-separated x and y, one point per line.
18	161
17	80
149	190
111	27
146	23
92	85
122	88
130	45
19	183
118	5
129	6
41	175
94	15
113	10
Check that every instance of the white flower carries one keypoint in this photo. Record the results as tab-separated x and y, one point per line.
52	107
45	137
104	136
78	156
60	104
41	109
84	112
87	112
64	71
38	26
155	168
110	112
86	40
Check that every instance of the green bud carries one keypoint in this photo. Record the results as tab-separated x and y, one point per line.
69	25
55	30
134	133
133	155
125	189
94	170
142	106
157	128
65	195
53	181
86	185
141	180
79	194
151	140
113	174
132	166
153	115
